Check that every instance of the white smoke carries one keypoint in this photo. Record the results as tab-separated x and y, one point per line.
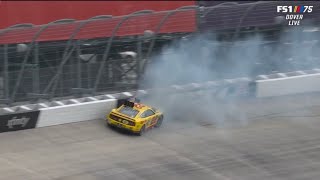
203	58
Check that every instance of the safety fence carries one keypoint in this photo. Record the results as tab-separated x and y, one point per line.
109	54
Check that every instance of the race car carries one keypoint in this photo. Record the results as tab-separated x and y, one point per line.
135	117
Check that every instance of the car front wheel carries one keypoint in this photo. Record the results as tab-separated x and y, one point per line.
142	130
159	122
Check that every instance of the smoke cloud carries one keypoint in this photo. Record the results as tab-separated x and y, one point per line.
203	58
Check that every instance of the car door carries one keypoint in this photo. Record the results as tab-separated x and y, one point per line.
148	116
154	117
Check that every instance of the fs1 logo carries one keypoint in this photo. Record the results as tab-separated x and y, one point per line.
294	9
294	13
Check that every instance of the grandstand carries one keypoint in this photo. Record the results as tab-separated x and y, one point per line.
109	53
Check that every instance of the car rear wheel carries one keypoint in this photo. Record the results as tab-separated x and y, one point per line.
142	130
109	126
159	122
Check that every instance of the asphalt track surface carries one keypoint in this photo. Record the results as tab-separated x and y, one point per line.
280	141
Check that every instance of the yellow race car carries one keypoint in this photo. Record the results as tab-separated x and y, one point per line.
135	117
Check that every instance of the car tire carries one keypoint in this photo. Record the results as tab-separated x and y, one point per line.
159	122
142	130
108	125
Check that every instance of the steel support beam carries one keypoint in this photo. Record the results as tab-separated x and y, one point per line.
6	73
29	50
5	62
79	67
139	58
158	28
68	52
35	71
108	47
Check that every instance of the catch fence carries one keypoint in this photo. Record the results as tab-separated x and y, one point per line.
110	54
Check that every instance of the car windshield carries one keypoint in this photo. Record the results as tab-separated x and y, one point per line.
129	111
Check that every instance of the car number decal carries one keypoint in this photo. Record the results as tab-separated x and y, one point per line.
154	119
149	122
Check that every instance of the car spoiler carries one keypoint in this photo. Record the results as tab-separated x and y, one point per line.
128	103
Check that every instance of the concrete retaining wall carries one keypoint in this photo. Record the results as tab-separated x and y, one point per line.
75	112
288	85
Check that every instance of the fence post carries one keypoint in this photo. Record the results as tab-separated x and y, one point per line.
35	71
108	47
54	81
30	47
6	72
158	28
